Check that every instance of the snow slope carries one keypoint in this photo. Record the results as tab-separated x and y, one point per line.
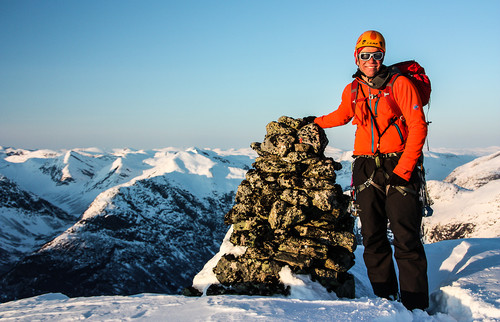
467	202
463	276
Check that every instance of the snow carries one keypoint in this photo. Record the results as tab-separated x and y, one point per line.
236	173
468	278
86	173
247	152
463	279
463	274
440	161
453	205
476	173
303	288
470	195
206	277
21	156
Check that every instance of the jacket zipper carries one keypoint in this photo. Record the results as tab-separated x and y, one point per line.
372	120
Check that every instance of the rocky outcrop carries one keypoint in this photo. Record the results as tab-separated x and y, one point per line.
289	212
449	231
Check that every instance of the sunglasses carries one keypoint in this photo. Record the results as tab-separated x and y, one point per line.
367	56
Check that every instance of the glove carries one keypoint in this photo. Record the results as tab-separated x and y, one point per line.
395	180
309	119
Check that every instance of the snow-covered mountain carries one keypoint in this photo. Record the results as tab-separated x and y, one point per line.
72	179
156	219
134	221
467	202
26	222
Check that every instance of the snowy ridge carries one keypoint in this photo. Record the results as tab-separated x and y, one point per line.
476	173
72	179
176	164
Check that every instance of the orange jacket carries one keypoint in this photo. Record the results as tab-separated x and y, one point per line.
406	136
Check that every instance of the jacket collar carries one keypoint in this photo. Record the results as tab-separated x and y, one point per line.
378	81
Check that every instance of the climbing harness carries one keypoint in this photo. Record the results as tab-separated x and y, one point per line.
423	193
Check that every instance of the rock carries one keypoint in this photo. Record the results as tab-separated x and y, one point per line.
295	197
291	122
313	135
191	291
298	261
332	238
324	169
324	199
280	128
289	212
278	144
275	165
249	288
283	216
303	246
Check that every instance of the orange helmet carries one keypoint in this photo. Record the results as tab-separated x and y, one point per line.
370	38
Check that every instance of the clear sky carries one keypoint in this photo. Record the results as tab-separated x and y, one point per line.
151	74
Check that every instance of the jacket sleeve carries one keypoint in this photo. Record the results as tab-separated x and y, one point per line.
408	100
342	115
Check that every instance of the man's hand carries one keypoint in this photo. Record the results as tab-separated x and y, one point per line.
395	180
309	119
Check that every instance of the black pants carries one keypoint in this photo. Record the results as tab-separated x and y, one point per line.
404	213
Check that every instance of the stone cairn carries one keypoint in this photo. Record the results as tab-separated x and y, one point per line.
289	211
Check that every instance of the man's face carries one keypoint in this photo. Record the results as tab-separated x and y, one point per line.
370	67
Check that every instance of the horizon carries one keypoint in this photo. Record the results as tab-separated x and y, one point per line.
195	73
478	151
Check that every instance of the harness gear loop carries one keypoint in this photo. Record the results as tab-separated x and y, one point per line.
425	198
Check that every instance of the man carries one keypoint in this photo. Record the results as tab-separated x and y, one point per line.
388	144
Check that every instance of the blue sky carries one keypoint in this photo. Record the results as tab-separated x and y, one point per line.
152	74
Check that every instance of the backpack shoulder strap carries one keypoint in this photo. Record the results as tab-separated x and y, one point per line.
389	94
354	93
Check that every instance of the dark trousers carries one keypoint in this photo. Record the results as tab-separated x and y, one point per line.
404	214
